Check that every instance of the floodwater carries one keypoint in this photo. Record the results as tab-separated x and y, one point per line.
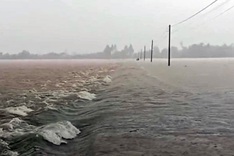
143	108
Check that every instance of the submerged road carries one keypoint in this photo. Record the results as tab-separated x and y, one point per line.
143	113
149	110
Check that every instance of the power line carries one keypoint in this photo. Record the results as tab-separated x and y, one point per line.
215	17
196	13
219	6
225	11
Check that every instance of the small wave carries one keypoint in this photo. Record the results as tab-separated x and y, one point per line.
50	107
92	79
3	144
74	85
21	110
9	153
15	122
4	149
54	133
86	95
12	153
16	127
57	132
107	79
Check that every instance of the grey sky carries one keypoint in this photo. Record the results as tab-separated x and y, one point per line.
85	26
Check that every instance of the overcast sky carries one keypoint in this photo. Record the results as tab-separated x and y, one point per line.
85	26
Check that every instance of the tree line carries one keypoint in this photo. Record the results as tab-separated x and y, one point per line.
193	51
111	52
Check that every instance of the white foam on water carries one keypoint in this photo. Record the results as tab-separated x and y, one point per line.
50	107
74	85
3	143
1	132
59	94
58	85
16	127
56	133
21	110
78	84
92	79
15	122
5	149
6	126
86	95
107	79
10	153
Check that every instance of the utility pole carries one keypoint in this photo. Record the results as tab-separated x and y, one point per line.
152	49
169	47
144	52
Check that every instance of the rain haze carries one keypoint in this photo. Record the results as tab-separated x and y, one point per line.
116	77
87	26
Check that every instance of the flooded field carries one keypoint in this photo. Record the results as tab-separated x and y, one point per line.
30	88
117	108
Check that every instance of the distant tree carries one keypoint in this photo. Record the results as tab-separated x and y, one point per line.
125	48
164	53
130	50
23	55
156	52
107	51
200	50
175	52
113	49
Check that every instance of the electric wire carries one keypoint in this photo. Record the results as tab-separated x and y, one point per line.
185	20
224	11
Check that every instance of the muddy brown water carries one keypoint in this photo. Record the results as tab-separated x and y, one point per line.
148	109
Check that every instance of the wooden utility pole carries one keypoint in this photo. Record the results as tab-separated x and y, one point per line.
152	49
169	47
144	52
